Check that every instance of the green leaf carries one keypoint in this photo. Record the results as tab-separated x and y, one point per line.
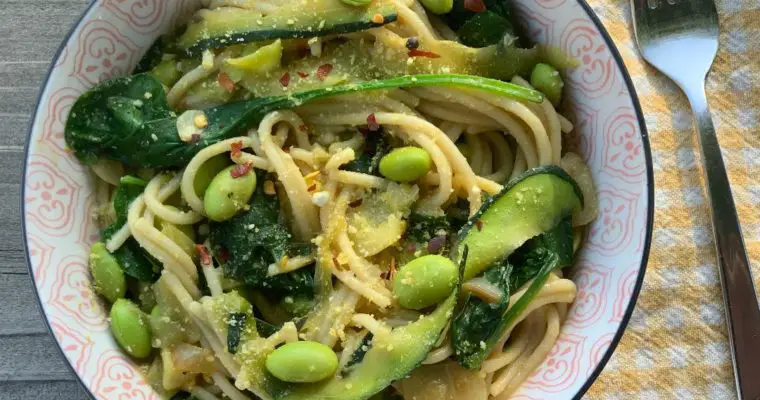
235	327
479	325
154	55
375	147
129	120
255	239
484	29
132	259
459	15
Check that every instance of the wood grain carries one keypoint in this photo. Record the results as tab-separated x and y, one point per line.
31	366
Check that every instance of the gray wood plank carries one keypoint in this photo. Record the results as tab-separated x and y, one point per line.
18	306
31	366
32	358
56	390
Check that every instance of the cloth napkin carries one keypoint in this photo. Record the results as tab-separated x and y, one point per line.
676	345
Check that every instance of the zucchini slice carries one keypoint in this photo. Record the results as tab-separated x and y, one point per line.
530	205
297	20
386	361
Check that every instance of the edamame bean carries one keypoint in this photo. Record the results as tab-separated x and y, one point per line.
547	79
108	277
356	3
425	281
405	164
208	170
438	6
302	362
225	195
130	328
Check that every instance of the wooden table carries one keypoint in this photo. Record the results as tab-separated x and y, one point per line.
31	367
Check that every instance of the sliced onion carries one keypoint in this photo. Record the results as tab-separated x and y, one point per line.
483	289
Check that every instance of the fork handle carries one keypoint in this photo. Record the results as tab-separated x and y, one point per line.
742	311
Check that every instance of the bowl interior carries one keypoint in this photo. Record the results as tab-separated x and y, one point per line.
110	39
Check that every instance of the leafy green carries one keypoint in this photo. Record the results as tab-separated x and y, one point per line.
484	29
478	320
132	259
420	228
459	15
235	327
129	120
264	328
479	325
255	239
375	147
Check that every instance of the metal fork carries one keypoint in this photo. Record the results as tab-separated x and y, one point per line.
680	38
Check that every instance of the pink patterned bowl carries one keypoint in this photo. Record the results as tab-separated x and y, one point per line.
109	40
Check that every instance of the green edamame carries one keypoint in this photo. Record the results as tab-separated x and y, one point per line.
107	276
406	164
130	328
302	362
547	79
226	195
356	3
425	281
208	170
438	6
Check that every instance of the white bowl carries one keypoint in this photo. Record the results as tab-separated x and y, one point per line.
110	38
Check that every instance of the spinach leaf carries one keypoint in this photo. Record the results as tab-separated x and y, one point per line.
235	327
129	120
132	259
375	147
255	239
484	29
459	15
478	320
479	325
420	228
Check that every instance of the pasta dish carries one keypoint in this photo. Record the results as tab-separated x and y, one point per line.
336	199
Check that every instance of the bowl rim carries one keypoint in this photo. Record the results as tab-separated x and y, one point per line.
647	158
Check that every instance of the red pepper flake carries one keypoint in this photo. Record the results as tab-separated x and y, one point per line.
372	123
356	203
479	224
323	71
223	255
312	187
410	247
436	244
240	170
195	138
236	149
303	74
303	128
475	5
422	53
285	79
204	254
226	82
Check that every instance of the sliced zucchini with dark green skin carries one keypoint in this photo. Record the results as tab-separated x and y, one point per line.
298	20
530	205
388	360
